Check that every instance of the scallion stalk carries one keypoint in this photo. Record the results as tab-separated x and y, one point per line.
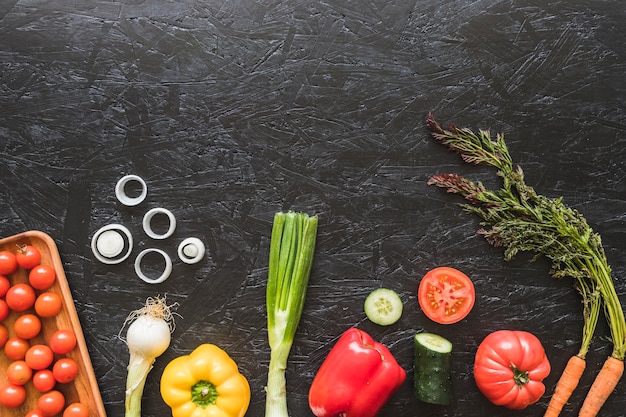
292	247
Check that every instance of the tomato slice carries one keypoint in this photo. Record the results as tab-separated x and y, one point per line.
446	295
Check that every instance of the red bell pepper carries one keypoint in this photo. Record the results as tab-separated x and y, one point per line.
356	379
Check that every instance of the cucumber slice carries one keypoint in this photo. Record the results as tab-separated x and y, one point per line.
432	382
383	306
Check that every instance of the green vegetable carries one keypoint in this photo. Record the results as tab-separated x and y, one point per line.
433	382
290	260
383	306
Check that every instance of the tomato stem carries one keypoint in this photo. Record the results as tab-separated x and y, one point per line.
520	377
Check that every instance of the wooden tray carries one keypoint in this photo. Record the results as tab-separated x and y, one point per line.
84	388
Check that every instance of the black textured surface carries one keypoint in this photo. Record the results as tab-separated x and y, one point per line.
233	110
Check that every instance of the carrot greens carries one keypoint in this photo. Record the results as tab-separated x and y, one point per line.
519	219
292	246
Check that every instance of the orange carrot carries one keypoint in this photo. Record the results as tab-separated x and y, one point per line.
566	385
602	386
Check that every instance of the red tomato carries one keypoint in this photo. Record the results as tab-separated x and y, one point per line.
48	304
27	326
43	380
4	310
16	348
34	413
76	410
12	396
4	335
62	341
18	373
42	276
5	284
65	370
8	263
509	368
20	297
446	295
39	357
51	403
28	256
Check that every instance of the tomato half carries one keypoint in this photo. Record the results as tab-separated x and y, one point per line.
28	256
42	276
8	262
446	295
509	368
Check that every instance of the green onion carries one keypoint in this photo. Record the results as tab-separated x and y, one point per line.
291	256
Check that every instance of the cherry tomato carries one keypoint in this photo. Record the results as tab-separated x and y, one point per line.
34	413
4	310
446	295
48	304
42	276
27	326
20	297
15	348
76	410
12	396
8	263
28	256
5	284
62	341
65	370
51	403
43	380
4	335
18	373
39	357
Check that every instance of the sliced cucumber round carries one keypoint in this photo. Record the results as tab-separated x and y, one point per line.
383	307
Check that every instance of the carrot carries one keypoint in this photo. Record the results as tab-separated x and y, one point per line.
602	386
566	385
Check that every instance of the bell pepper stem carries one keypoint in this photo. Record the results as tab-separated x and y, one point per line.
138	369
276	400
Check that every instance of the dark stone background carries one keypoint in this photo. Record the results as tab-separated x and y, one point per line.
233	110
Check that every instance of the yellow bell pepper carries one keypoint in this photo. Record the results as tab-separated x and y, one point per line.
206	383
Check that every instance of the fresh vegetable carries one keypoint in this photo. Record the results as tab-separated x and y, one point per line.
383	306
4	310
432	378
76	410
28	256
19	373
147	337
48	304
15	348
12	396
205	383
509	368
51	403
43	380
446	295
20	297
292	246
42	277
62	341
39	357
517	218
27	326
5	284
8	262
604	384
4	335
65	370
356	379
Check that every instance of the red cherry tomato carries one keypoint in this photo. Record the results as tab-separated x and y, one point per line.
65	370
27	326
4	335
43	380
12	396
34	413
8	263
4	310
16	348
18	373
28	256
76	410
42	276
48	304
62	341
446	295
39	357
20	297
5	284
51	403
